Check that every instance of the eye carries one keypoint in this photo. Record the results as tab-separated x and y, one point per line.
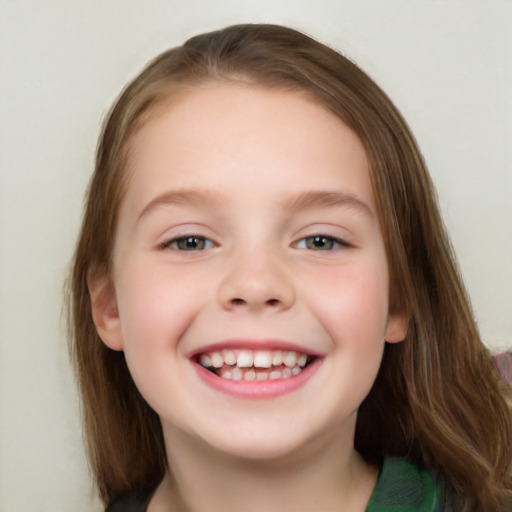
188	243
321	243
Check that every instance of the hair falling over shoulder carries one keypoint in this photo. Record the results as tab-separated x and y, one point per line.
437	398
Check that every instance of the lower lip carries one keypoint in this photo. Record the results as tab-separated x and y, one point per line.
257	389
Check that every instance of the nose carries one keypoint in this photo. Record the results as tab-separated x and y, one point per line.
256	280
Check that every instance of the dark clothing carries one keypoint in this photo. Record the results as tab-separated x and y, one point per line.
137	501
401	487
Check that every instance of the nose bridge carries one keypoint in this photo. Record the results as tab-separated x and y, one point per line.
256	277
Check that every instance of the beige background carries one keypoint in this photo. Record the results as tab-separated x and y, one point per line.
447	64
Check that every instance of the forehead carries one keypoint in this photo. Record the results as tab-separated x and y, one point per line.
235	135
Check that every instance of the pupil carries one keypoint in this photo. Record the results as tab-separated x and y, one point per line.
191	243
320	242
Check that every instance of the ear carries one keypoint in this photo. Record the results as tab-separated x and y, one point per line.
105	314
397	327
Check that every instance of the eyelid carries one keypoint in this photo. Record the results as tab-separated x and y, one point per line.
341	242
179	229
168	242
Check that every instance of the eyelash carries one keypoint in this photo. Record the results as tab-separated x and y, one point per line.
335	243
198	240
205	243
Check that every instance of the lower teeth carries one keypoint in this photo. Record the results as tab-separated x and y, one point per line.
260	375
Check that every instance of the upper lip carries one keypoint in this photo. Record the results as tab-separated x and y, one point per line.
264	344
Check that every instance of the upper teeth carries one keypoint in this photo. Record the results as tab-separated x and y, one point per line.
253	358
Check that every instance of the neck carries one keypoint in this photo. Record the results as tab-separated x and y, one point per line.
327	475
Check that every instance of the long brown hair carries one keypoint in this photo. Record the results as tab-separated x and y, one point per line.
437	398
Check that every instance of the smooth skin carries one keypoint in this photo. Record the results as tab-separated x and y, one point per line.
249	216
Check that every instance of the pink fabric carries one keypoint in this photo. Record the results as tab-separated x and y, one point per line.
503	363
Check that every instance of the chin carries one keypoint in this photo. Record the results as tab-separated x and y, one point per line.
264	442
264	451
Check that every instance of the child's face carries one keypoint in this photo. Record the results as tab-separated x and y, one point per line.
249	230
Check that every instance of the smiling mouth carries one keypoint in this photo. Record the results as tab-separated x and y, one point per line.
255	365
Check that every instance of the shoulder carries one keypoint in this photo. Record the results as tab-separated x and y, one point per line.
137	501
406	487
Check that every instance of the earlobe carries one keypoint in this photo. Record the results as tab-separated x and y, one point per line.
105	314
397	327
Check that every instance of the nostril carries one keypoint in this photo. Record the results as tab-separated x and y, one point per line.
240	302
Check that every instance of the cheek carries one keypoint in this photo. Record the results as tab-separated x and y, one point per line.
353	304
155	309
156	305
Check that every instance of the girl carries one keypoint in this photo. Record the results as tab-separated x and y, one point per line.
265	309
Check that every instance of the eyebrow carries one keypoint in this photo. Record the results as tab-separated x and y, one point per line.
304	201
180	197
314	199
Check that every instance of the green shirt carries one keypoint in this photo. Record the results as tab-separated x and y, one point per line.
403	487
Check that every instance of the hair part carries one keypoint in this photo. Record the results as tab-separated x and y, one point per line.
436	399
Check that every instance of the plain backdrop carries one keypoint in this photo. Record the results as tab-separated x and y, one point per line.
446	64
